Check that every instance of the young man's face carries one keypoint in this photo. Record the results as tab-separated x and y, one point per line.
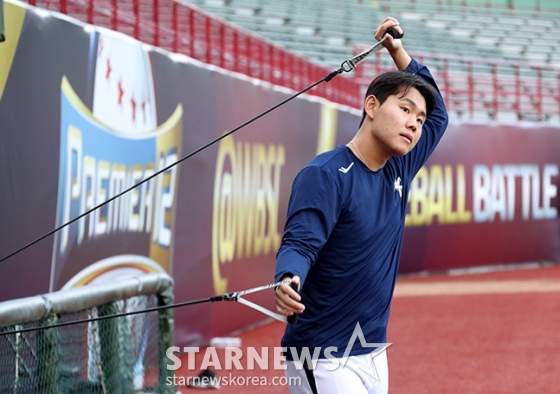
397	123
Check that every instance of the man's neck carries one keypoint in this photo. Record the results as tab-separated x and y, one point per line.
365	149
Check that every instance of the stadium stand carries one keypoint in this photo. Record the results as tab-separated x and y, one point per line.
519	33
517	39
327	32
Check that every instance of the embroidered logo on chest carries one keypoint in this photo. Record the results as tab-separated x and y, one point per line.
345	170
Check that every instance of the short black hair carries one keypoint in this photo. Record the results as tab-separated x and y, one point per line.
400	82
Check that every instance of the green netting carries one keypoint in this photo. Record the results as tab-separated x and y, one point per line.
118	355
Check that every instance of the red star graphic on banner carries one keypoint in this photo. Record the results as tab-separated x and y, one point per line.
108	69
133	103
121	93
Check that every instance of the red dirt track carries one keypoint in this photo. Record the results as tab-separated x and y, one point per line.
503	337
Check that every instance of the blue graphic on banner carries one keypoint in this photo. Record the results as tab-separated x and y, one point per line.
96	164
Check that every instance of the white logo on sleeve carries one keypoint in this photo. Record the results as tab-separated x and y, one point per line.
398	186
345	170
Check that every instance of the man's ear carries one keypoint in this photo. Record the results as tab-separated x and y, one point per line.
370	105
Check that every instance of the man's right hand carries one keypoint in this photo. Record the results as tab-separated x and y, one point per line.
287	299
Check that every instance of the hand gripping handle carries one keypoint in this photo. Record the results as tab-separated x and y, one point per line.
293	319
393	33
349	64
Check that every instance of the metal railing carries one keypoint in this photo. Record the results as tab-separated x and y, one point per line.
471	87
479	88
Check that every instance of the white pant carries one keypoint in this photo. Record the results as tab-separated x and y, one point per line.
364	374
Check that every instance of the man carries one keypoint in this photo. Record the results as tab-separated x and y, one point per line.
344	230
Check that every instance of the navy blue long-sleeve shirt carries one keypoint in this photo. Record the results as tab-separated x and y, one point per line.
343	238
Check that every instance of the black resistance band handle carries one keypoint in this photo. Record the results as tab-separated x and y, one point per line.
293	319
393	33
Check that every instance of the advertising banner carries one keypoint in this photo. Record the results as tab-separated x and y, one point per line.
487	196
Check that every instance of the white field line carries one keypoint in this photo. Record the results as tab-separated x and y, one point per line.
476	287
